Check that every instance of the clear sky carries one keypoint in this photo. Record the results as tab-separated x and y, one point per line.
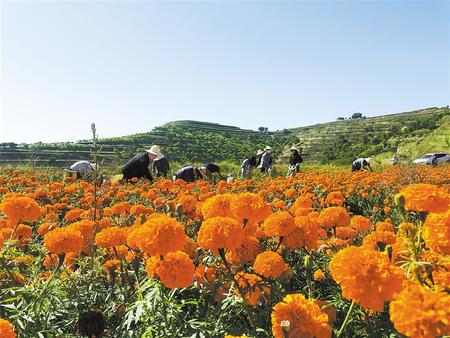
129	66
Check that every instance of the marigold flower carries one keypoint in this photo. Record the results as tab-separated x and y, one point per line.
425	198
110	237
436	232
379	239
360	223
220	232
335	198
245	253
20	209
6	329
270	265
305	235
187	203
175	271
420	313
217	206
72	215
63	240
159	235
250	207
252	286
302	202
281	223
366	276
305	317
334	216
319	275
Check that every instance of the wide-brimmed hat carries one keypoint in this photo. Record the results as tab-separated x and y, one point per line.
154	150
368	159
259	152
293	148
94	165
267	148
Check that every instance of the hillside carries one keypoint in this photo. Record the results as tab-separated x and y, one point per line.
412	133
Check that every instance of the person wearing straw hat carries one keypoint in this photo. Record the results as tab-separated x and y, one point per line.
361	164
249	164
294	162
266	162
138	165
83	169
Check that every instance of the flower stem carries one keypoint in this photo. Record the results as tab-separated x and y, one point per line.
346	320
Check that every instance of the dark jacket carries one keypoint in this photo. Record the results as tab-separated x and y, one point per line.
160	167
188	174
137	167
212	168
295	158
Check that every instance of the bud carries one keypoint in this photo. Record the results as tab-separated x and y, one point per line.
285	325
400	201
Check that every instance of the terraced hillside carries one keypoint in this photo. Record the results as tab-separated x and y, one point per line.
412	133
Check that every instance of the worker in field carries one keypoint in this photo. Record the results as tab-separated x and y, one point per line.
82	169
160	166
266	163
190	173
395	159
249	164
362	164
212	171
138	166
294	162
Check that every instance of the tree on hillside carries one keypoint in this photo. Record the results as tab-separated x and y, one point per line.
357	116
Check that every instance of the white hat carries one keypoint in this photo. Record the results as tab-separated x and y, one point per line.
154	150
259	152
368	159
267	148
93	165
293	148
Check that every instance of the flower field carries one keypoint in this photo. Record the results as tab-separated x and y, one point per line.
328	253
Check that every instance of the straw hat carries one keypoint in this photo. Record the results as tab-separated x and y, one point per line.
93	165
259	152
293	148
368	159
154	150
267	148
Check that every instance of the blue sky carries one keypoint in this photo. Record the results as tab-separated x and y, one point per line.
129	66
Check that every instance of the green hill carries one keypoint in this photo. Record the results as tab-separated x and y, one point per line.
412	133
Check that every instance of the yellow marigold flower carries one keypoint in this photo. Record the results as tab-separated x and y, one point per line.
319	275
279	224
436	232
6	329
366	276
175	271
270	265
158	236
220	232
63	240
217	206
425	198
110	237
305	318
334	216
421	313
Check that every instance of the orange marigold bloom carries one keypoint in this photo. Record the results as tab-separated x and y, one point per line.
305	235
366	276
217	206
281	223
175	271
290	193
250	207
253	288
302	202
270	265
187	203
111	264
220	232
420	313
110	237
247	252
6	329
379	239
384	226
159	235
425	198
319	275
302	317
63	240
436	232
72	215
346	232
334	216
335	198
360	223
20	209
